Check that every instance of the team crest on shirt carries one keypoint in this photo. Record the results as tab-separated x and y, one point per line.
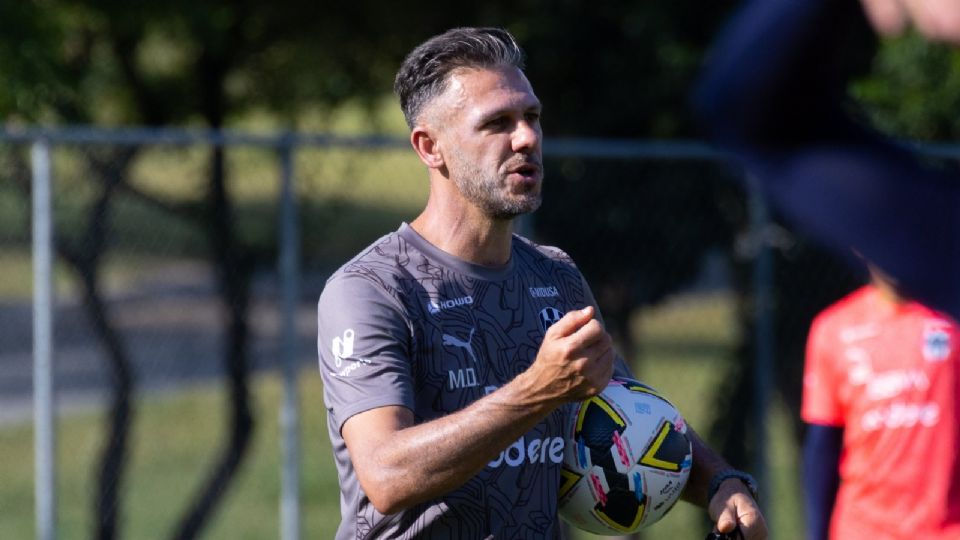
936	343
548	316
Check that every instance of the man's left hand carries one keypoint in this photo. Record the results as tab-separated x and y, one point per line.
732	507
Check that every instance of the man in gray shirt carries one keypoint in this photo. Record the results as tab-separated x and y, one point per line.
450	347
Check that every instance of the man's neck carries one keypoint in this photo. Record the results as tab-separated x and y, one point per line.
467	235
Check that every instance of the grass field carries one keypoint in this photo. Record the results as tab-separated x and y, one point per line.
173	444
176	435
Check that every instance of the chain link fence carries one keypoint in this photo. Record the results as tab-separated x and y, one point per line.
179	338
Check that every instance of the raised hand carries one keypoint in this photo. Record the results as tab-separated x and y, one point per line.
575	360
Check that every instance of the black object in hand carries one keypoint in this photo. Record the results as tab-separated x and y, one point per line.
735	535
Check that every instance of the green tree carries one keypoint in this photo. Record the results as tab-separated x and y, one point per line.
913	89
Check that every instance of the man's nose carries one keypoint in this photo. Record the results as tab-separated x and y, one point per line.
526	137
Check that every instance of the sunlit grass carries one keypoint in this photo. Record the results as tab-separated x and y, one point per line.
176	437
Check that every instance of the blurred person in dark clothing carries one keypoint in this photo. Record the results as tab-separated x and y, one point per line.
774	94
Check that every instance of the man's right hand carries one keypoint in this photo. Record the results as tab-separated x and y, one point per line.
575	360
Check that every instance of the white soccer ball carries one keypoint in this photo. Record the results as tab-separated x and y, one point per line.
626	459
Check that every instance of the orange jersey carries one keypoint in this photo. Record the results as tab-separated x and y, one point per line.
887	374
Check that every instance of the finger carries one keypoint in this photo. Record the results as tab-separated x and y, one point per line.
590	335
589	349
752	525
599	366
727	520
590	339
570	323
609	358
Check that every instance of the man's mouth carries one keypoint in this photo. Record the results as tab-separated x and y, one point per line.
526	170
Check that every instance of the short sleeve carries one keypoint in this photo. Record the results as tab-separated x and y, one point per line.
820	403
364	344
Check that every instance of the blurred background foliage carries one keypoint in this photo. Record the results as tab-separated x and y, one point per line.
603	69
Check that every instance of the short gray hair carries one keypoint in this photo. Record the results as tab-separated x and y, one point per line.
425	71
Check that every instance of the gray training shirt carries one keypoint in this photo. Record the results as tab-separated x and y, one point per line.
405	323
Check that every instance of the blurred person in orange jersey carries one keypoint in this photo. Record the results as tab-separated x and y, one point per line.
881	404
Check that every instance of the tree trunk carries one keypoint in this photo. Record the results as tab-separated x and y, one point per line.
114	453
85	259
234	283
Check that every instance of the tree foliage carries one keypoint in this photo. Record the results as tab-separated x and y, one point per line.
913	89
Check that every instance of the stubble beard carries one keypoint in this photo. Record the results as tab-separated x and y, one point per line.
488	192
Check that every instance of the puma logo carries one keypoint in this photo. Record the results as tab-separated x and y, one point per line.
453	341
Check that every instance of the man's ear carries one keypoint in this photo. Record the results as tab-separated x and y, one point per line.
427	147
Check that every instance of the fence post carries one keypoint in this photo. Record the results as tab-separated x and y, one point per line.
43	405
764	338
289	264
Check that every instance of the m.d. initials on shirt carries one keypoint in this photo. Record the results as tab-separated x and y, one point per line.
463	378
